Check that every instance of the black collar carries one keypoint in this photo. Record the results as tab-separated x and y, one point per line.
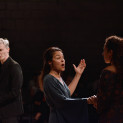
6	62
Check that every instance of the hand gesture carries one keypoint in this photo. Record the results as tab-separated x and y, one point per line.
80	68
92	100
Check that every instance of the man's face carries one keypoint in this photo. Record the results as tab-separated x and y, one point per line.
4	51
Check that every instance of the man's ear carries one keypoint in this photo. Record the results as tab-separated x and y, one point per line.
8	50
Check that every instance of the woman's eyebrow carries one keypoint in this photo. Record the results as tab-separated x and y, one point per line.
57	55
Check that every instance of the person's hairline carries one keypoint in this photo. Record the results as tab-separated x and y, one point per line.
5	42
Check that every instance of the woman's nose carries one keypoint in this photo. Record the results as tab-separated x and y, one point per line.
63	60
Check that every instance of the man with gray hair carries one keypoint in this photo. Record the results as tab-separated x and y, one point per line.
11	79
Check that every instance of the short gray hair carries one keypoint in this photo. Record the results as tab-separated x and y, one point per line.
5	42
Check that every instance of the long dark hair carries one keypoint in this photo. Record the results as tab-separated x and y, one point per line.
115	44
47	56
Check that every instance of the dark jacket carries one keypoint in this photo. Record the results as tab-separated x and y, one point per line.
11	79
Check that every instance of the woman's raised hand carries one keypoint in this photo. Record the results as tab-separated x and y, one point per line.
80	68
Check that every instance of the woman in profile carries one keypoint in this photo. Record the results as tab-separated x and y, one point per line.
63	108
110	91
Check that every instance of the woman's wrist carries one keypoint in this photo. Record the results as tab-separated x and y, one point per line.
78	75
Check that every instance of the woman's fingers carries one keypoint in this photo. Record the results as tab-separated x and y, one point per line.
74	66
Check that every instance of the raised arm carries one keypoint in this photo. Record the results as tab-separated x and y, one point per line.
79	70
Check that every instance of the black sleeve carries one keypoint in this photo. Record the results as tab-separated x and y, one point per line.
15	84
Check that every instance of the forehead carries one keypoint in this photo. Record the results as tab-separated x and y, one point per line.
57	53
2	45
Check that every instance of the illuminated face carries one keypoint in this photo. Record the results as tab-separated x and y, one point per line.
107	55
58	62
4	52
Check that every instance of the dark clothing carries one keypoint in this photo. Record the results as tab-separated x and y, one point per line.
110	98
40	106
10	120
38	97
63	108
11	80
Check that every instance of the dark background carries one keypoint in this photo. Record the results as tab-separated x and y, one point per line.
78	27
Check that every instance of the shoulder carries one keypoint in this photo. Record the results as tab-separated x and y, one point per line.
111	69
14	66
108	72
47	79
13	63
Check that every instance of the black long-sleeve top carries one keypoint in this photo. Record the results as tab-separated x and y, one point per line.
11	79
